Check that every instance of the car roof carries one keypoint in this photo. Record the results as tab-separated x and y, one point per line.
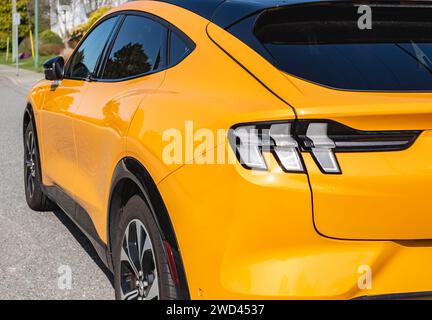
226	12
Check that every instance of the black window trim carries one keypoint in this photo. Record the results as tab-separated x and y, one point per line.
101	62
166	65
113	32
107	49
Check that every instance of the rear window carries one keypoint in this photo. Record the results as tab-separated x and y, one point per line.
324	44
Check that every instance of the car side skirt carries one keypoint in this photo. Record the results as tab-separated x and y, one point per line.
81	219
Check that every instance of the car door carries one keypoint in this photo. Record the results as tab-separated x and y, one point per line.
132	69
61	103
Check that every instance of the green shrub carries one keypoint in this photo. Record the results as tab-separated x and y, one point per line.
96	15
49	44
49	37
80	30
49	49
6	20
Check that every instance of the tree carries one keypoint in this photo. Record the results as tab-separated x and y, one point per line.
6	21
67	14
44	13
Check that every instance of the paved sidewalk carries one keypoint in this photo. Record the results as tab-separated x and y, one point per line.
25	79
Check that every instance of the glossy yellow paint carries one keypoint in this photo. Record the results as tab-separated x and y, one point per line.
244	234
380	195
57	132
251	236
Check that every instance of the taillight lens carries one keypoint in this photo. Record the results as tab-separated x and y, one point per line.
250	141
322	138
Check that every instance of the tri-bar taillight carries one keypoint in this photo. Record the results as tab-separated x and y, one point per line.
322	138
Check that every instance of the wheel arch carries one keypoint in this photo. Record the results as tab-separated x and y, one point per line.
27	118
131	177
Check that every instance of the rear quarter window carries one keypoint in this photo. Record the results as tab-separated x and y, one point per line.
178	48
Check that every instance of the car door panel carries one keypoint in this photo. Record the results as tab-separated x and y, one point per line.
60	103
102	121
101	124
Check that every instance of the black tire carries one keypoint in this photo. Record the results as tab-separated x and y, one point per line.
136	213
35	197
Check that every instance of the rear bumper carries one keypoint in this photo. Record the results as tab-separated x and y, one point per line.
251	236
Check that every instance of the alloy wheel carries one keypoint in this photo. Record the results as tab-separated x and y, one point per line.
138	278
30	163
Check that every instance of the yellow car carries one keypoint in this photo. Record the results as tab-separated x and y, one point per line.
244	149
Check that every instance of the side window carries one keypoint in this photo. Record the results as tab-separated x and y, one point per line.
85	58
178	49
138	49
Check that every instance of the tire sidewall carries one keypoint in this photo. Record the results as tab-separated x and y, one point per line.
38	193
136	208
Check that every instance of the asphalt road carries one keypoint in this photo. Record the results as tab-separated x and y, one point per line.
42	255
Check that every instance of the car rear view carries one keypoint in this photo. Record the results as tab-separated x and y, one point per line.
359	77
368	149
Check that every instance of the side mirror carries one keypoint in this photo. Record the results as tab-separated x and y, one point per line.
54	68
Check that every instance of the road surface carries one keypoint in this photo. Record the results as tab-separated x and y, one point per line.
42	255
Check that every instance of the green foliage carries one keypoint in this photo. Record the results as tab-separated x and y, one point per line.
6	21
96	15
48	49
3	40
48	36
80	31
49	44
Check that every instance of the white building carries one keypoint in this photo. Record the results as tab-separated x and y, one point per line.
65	15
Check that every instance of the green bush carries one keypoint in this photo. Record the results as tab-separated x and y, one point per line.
49	44
6	21
49	49
49	37
80	30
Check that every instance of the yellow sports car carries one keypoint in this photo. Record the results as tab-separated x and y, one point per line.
237	149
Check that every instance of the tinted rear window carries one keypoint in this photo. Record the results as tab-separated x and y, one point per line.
324	44
178	49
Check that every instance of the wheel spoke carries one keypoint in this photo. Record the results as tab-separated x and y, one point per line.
140	234
145	245
28	145
131	295
125	253
30	185
125	257
28	164
153	292
33	149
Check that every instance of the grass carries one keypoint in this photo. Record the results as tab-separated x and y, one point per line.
27	64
